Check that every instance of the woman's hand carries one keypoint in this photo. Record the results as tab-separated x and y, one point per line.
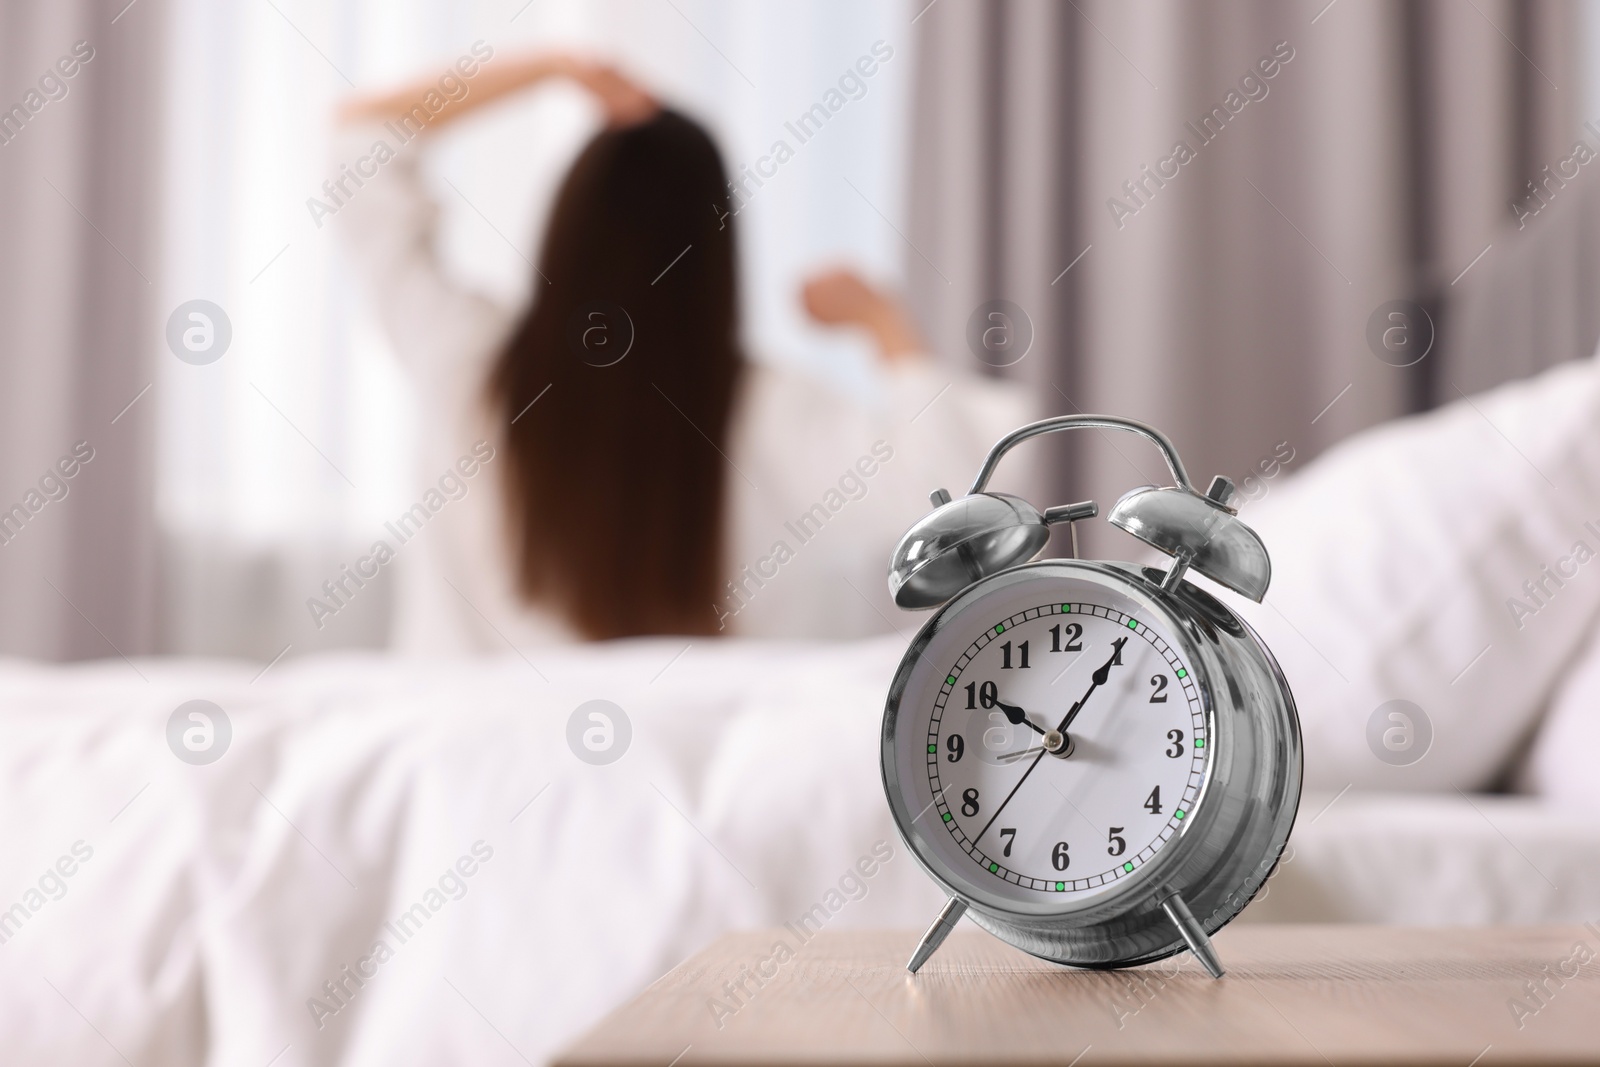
622	100
841	297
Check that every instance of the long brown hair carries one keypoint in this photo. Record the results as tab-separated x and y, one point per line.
615	480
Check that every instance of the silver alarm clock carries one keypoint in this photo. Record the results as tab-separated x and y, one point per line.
1099	762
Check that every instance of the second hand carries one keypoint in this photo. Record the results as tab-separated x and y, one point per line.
1009	795
1100	677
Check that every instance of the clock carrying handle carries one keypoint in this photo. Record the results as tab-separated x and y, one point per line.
1081	422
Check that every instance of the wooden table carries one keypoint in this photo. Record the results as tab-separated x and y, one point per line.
1293	995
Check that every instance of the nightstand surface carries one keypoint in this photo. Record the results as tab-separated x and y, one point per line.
1293	995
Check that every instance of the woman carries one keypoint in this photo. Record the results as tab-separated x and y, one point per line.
646	478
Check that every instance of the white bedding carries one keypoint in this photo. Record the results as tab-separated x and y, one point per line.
219	899
1435	860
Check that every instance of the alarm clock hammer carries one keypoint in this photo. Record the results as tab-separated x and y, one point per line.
1184	790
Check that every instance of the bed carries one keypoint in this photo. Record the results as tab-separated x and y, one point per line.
232	913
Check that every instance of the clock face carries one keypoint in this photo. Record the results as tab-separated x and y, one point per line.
1054	739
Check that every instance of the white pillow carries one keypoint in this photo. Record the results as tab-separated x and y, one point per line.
1399	559
1560	763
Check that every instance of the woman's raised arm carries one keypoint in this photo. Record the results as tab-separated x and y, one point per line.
842	297
623	100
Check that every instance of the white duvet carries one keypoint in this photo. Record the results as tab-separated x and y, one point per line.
212	906
404	863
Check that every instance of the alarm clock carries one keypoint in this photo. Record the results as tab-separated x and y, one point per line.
1099	762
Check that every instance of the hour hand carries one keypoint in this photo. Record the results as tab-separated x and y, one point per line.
1018	717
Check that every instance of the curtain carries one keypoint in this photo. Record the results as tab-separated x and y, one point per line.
1537	306
77	321
1205	209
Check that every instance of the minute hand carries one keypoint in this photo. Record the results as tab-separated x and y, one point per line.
1100	677
1098	680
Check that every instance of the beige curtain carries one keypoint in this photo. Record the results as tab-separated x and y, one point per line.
1537	304
77	324
1229	301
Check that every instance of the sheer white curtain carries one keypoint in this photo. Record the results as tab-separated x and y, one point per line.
281	457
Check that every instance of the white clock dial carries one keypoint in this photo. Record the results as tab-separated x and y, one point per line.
1029	814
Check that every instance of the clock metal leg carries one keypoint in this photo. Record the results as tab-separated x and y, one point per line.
1194	935
937	933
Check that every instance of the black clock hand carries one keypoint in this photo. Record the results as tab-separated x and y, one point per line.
1018	717
1099	679
1009	795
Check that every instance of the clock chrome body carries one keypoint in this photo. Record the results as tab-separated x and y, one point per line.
1226	849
